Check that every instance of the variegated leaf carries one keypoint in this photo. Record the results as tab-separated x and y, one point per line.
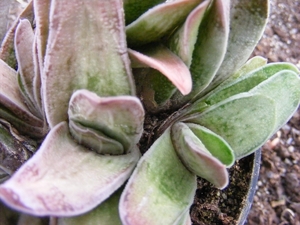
245	121
160	190
64	178
86	49
248	19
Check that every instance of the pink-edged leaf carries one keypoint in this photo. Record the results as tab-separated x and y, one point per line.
7	52
159	21
4	13
106	213
12	107
86	49
64	178
182	43
160	190
163	60
24	44
116	119
196	157
209	49
41	12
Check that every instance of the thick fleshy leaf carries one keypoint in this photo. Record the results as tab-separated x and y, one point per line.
117	120
159	21
47	184
284	89
41	12
182	43
196	157
134	8
214	143
24	43
4	11
185	219
245	121
248	81
248	19
86	49
202	103
105	214
12	107
7	52
210	48
160	190
162	59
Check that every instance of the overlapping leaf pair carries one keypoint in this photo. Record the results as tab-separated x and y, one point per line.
69	75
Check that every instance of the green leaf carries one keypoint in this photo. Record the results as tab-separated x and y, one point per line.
245	121
284	89
158	21
86	49
64	178
182	43
248	19
160	190
214	143
196	157
248	81
209	49
162	59
108	125
106	213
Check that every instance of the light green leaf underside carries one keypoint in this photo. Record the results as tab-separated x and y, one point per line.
160	190
196	157
86	49
106	213
47	184
245	121
108	125
159	21
214	143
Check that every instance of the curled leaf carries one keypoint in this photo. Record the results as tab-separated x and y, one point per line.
196	157
109	125
163	60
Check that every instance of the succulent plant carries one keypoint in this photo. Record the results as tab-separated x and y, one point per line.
78	78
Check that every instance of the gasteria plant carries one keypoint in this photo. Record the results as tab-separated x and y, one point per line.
78	78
